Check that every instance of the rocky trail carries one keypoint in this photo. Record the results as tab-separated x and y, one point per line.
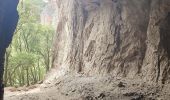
78	87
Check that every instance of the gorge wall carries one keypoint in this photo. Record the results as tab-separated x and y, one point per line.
126	38
115	41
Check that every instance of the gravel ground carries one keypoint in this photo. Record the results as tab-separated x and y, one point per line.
90	88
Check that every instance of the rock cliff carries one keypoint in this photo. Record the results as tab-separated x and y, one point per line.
126	38
107	50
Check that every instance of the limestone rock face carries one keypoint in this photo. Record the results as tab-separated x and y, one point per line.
127	38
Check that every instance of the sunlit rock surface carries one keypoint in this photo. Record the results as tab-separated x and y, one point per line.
48	13
127	38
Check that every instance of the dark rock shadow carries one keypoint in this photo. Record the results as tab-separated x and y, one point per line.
8	22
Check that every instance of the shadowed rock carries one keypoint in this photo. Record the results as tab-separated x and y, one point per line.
8	22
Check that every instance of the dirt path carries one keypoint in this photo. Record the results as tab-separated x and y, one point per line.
91	88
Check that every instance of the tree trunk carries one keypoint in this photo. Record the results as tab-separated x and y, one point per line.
27	73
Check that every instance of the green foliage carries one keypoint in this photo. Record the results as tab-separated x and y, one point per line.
29	56
23	59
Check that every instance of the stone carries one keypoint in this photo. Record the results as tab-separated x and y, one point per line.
116	37
121	84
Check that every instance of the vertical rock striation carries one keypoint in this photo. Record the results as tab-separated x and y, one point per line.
126	38
156	62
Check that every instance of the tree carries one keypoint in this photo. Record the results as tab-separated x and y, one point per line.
29	56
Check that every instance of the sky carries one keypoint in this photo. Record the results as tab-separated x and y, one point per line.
45	1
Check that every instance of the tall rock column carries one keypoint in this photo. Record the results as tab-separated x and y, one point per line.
156	65
98	37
